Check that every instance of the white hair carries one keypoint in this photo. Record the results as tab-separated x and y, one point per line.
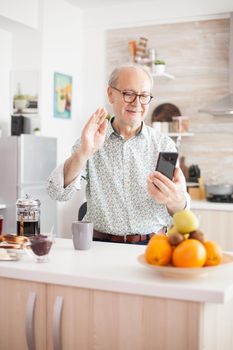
116	72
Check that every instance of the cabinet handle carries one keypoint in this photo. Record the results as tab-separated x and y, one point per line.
30	311
57	310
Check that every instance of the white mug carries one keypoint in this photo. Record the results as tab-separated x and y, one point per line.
156	126
164	127
82	234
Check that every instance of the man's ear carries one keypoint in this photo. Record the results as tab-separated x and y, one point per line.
110	95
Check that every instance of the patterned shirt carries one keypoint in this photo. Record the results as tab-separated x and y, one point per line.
117	198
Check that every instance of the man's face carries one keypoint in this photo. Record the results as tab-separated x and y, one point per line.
130	80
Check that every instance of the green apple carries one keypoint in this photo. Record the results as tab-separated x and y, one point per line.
185	221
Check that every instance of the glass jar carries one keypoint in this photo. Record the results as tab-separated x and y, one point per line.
28	216
180	124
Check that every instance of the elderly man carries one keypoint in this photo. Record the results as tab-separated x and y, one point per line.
127	200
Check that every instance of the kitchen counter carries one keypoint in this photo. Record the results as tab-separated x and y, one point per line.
105	299
206	205
114	267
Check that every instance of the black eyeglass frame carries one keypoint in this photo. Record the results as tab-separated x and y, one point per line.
123	92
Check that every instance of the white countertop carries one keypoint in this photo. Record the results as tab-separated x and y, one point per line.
114	267
206	205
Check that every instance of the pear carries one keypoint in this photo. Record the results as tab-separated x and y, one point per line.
172	230
185	221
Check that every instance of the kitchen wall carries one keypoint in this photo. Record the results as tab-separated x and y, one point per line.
5	67
23	11
50	41
62	35
110	28
74	42
197	54
98	21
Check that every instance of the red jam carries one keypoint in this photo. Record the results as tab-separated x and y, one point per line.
40	245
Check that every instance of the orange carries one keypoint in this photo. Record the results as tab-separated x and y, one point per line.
159	236
158	251
214	253
189	253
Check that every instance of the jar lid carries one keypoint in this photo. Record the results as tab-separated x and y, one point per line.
28	201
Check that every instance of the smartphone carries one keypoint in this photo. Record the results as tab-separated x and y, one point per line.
166	163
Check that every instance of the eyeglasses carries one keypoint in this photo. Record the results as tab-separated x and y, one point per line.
130	97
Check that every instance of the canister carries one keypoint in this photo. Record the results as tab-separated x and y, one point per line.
28	216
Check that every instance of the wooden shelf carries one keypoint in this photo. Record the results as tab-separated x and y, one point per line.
180	134
163	75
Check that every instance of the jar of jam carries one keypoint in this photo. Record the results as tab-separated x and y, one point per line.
28	216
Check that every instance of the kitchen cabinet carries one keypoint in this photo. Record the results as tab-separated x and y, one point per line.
73	324
22	302
90	319
217	225
93	319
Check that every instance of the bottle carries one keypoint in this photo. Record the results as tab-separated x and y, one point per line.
28	216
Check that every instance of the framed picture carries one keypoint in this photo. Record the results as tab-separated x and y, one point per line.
62	95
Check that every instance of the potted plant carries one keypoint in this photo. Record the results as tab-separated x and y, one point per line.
36	131
20	102
159	66
159	62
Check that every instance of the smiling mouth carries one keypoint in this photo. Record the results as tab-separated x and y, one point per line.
132	111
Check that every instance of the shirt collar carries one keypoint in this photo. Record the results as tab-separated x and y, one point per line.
110	130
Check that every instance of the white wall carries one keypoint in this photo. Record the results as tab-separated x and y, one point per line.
154	11
23	11
5	68
62	42
45	36
25	53
26	50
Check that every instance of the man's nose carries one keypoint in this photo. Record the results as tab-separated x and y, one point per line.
136	102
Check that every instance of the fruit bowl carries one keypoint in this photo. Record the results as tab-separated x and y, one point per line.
187	272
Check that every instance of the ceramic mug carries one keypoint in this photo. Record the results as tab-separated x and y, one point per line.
156	126
82	234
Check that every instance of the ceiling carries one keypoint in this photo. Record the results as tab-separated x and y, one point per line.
86	4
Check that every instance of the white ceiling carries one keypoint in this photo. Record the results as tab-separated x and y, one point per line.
86	4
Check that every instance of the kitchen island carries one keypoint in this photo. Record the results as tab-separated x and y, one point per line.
207	205
104	299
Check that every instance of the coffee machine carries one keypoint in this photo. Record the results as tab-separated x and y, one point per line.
22	124
17	125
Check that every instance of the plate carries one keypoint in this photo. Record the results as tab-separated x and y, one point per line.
17	251
187	272
6	245
10	257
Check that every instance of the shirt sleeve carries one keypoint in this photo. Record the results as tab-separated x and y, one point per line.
186	194
56	189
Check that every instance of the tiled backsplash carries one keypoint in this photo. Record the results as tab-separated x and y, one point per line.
197	54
